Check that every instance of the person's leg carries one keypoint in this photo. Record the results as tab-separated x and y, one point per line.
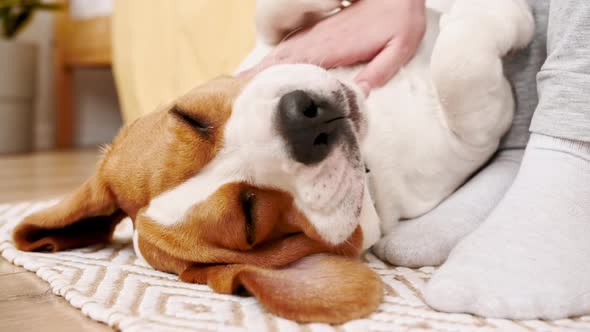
530	258
427	240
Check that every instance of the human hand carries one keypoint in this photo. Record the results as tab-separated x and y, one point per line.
384	33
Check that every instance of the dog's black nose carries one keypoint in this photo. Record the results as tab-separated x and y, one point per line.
310	128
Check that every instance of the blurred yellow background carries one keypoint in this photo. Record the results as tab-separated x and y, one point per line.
161	49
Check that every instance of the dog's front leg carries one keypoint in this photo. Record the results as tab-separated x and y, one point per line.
467	67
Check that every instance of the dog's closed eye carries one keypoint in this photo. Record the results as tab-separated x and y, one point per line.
199	124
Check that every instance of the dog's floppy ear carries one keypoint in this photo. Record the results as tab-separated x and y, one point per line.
318	288
87	216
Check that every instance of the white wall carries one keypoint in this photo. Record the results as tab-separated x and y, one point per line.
98	117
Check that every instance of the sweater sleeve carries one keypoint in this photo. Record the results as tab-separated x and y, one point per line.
564	79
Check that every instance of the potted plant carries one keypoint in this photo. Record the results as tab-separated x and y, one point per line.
18	69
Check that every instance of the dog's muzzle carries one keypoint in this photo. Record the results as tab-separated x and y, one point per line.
311	128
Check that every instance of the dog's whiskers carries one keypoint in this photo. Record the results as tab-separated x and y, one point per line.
321	64
287	36
273	55
336	65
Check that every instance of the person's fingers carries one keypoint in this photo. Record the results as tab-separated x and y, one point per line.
384	66
270	59
263	64
249	72
295	54
365	87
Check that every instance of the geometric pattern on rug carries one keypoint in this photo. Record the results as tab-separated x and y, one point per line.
108	284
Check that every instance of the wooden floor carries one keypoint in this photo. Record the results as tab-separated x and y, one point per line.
26	303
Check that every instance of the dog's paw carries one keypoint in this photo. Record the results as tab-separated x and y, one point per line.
509	24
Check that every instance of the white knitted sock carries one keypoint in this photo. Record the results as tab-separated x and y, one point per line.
427	240
531	257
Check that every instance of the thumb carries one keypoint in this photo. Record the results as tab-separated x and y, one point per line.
383	66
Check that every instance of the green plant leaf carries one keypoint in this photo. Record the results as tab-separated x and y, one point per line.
10	3
13	23
31	3
47	6
4	12
15	14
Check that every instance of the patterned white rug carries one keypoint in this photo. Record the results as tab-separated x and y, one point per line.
109	285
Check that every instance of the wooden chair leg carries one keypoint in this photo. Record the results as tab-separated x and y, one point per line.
64	109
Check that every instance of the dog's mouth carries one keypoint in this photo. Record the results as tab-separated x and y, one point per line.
331	192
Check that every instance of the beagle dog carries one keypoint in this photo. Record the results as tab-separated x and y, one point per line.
276	183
